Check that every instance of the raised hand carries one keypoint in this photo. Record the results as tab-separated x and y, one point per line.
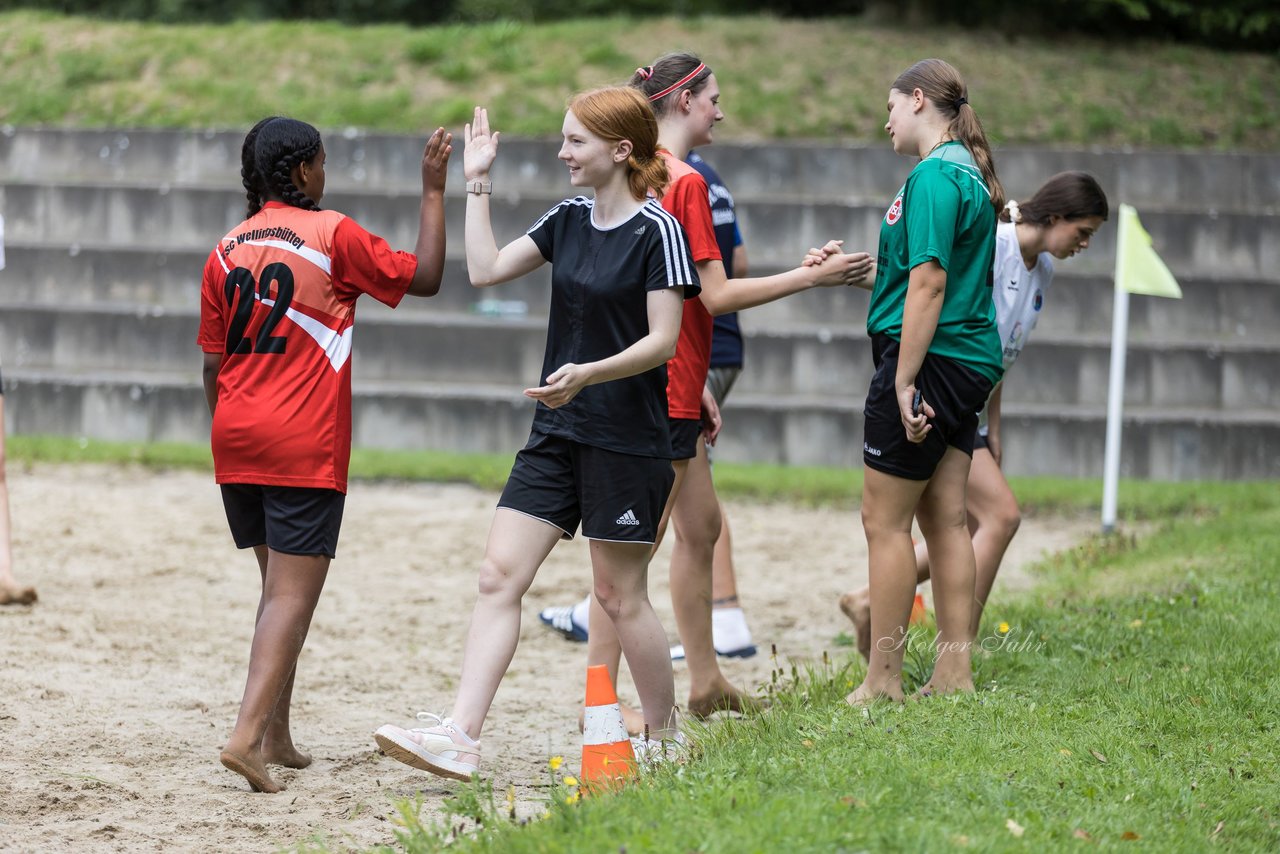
435	160
480	147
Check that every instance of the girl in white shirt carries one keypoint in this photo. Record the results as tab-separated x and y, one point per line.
1057	222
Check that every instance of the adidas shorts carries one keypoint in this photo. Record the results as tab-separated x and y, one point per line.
295	520
616	497
956	393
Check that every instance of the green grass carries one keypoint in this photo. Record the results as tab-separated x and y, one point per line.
830	81
1131	703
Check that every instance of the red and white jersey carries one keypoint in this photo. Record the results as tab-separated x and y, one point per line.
687	198
278	302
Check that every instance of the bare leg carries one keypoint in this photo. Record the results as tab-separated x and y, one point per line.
724	581
621	573
944	523
603	646
994	519
277	742
696	520
888	505
290	592
11	592
517	546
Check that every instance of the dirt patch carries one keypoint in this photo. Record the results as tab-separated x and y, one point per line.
122	683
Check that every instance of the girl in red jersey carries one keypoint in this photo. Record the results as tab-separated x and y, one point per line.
599	453
685	96
277	315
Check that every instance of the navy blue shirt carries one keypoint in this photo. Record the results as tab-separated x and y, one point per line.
726	335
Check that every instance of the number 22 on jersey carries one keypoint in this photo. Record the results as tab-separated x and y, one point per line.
242	292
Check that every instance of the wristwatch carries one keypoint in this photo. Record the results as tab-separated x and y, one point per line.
478	188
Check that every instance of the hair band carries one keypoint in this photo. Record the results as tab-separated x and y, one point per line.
960	102
682	81
645	72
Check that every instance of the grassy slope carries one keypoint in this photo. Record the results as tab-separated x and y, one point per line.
829	80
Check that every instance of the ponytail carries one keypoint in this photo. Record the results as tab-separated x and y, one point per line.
647	174
967	128
1067	195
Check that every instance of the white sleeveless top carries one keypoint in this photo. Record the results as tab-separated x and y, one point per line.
1018	294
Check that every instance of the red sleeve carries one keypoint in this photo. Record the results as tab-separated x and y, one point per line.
365	263
690	201
212	337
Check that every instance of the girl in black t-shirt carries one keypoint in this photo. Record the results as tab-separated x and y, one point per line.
600	452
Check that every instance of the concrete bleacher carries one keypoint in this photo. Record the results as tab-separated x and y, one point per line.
106	233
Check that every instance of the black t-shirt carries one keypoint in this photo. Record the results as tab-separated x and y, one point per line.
600	279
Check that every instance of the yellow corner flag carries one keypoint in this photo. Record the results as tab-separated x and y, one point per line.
1139	269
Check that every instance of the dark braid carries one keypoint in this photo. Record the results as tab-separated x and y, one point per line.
249	170
279	146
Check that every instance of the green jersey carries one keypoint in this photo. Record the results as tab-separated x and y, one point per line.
943	213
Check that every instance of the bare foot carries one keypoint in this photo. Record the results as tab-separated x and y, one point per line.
252	769
721	698
14	594
856	605
865	695
632	719
286	755
938	688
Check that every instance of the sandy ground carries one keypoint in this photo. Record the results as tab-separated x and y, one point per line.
122	683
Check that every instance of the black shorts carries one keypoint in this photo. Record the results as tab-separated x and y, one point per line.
979	440
956	393
616	497
686	433
295	520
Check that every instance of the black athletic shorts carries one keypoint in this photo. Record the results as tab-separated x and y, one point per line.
295	520
979	440
686	433
616	497
955	392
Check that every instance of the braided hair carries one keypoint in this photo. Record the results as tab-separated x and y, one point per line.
249	168
272	148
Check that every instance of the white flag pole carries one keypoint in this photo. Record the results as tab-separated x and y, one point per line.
1115	388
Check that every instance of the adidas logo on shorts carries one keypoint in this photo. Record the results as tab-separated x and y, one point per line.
628	518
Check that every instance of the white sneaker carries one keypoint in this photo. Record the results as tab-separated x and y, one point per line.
568	620
650	752
443	749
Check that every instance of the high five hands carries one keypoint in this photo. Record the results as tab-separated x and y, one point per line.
435	161
480	147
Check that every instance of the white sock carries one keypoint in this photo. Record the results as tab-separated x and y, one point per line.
729	629
582	612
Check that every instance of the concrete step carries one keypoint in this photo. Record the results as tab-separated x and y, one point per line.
831	361
168	406
1217	245
756	172
84	274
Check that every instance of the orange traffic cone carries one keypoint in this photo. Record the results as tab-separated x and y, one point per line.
606	750
917	611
